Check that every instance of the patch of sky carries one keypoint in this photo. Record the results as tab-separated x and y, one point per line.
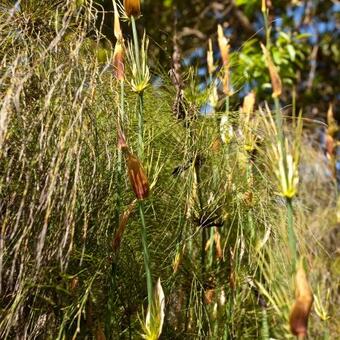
207	109
202	71
202	86
259	23
196	53
336	7
297	14
157	81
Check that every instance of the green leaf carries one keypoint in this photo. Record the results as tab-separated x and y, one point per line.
291	51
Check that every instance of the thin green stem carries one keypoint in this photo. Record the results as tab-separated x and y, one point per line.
267	28
211	250
264	326
227	104
119	155
140	113
294	106
140	106
145	253
278	119
291	232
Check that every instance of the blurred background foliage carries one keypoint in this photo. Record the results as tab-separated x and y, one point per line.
305	33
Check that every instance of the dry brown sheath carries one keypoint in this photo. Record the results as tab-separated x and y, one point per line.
274	74
298	319
138	179
118	61
123	220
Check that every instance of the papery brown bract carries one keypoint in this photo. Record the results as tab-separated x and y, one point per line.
132	8
123	220
299	314
138	179
118	61
209	295
137	176
100	335
218	247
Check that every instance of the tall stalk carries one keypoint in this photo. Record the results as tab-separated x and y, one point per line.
140	114
145	253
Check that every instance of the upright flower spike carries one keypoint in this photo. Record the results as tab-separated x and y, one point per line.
285	157
155	316
224	46
138	61
299	314
210	59
274	74
132	8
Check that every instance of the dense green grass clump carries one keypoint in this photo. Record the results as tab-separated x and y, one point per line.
215	225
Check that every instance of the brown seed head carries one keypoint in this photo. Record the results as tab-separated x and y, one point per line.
299	314
132	8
